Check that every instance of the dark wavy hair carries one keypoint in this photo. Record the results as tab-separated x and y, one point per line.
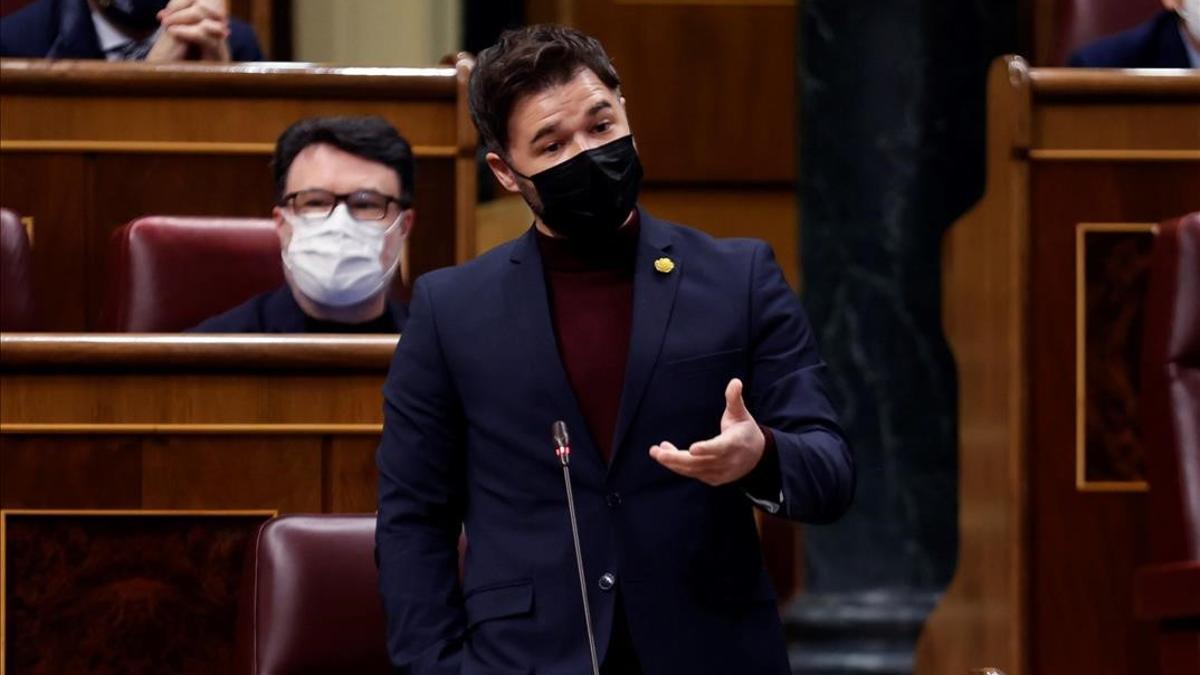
525	61
371	138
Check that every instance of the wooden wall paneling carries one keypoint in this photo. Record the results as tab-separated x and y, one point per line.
276	472
70	472
145	120
252	354
1132	130
710	88
432	243
351	476
53	190
981	619
1087	544
189	398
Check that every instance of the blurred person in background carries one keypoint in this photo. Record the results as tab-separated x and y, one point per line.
344	189
128	30
1169	39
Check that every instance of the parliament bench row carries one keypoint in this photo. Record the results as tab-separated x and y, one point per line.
166	274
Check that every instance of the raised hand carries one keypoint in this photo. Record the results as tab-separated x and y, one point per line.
724	458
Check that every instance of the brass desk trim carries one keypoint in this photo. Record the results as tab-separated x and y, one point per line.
204	428
1104	155
179	147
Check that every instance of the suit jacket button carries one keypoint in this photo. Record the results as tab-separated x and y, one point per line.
607	581
613	499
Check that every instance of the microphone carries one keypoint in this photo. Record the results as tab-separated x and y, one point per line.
562	443
562	448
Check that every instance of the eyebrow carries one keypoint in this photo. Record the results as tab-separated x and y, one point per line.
553	126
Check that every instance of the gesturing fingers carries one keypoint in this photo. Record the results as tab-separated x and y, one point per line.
705	468
678	461
713	447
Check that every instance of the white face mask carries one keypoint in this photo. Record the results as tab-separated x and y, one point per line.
1189	11
338	261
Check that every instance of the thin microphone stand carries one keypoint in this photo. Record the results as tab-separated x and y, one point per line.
563	450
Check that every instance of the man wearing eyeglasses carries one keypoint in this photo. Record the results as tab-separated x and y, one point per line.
344	187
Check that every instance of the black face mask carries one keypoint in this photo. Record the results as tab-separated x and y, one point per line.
588	197
133	14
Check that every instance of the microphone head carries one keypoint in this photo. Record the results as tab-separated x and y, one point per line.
561	439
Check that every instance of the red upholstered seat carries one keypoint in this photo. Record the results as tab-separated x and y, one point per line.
170	273
310	602
310	598
1168	590
18	310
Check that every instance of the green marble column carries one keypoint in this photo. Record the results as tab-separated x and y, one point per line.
891	154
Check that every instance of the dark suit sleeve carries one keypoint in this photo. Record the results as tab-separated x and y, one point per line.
786	392
29	31
421	500
243	42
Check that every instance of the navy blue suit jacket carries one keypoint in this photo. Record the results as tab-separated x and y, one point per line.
474	388
63	29
1153	44
278	312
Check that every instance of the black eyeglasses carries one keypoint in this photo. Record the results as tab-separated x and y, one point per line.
363	204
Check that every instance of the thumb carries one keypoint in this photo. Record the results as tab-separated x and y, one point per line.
735	407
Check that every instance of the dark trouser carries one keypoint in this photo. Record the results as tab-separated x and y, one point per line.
621	658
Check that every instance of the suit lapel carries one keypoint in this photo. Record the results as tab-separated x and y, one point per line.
527	300
653	298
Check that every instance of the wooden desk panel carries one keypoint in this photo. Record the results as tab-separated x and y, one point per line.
1045	572
287	424
194	441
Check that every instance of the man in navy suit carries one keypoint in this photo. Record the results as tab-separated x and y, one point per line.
128	30
684	368
1170	39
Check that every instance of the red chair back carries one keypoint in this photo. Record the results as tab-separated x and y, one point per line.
1171	390
169	273
1167	591
18	311
311	600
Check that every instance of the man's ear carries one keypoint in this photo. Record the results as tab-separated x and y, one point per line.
502	172
408	218
283	229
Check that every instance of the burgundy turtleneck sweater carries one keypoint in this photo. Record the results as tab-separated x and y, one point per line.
591	305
